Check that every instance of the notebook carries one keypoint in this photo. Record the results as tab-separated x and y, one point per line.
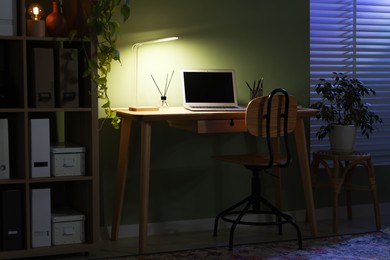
209	90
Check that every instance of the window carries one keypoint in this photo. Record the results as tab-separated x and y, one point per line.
353	37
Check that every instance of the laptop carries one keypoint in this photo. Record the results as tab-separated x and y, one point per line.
209	89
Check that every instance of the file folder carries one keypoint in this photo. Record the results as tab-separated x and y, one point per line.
40	217
12	227
40	147
41	73
66	77
4	149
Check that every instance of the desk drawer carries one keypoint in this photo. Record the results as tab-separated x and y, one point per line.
212	126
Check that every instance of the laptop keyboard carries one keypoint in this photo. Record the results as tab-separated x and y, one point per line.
218	107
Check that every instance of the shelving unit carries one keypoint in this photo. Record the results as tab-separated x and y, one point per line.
77	125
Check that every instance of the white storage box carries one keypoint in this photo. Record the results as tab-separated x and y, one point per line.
67	160
8	17
67	227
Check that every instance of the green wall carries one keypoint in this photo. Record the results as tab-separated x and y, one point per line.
256	38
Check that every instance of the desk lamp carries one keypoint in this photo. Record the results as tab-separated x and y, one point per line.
135	49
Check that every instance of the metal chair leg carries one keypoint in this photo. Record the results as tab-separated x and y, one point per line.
226	211
238	219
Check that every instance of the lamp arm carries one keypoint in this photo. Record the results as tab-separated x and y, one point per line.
135	49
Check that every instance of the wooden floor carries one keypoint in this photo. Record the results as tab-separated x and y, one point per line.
204	239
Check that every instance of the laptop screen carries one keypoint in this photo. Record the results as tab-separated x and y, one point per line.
209	86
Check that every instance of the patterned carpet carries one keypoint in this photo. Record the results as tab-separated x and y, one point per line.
375	245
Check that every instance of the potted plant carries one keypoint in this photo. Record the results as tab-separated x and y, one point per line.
343	109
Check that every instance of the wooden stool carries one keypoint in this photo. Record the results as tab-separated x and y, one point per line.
340	179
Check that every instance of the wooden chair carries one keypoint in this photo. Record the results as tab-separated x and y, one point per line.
340	169
269	117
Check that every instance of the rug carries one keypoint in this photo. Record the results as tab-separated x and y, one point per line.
373	245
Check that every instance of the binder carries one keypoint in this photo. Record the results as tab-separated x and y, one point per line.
12	227
8	88
40	217
66	77
4	149
8	17
3	74
40	147
41	77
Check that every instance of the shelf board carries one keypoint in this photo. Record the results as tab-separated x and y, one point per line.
41	39
57	39
60	109
11	181
50	250
12	110
60	179
57	109
46	180
11	38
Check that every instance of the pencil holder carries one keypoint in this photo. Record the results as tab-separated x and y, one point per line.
256	90
255	93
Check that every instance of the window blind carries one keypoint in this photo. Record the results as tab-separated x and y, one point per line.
353	37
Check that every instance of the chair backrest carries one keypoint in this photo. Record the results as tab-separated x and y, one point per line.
275	108
273	116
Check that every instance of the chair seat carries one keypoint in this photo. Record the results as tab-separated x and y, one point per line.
260	160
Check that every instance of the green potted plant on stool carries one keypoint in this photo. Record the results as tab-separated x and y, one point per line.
343	110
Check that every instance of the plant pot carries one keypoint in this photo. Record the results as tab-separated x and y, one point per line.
342	139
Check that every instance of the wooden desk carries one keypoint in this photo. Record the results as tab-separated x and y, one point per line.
201	122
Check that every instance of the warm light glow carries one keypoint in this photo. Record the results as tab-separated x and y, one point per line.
168	39
35	11
135	48
155	41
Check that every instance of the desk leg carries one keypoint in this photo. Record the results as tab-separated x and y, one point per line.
300	142
146	134
121	176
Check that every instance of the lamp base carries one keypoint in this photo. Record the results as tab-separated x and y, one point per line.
144	108
36	28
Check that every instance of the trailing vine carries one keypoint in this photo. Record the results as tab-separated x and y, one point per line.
104	31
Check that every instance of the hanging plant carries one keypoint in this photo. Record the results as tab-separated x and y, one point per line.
105	31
